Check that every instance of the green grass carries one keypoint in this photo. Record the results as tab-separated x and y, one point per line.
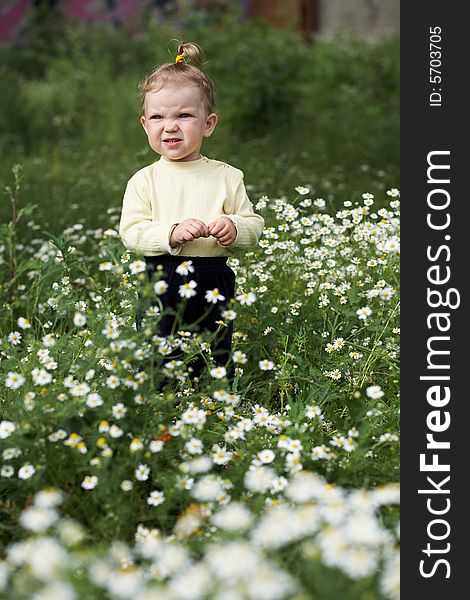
325	115
331	387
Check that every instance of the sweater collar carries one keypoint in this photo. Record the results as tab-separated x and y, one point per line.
183	166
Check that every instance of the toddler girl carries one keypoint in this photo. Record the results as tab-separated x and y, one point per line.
186	212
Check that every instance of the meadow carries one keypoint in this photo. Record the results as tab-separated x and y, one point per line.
123	477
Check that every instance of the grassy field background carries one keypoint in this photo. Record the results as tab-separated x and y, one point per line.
325	114
123	478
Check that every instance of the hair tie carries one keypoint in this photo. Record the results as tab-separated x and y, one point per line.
179	58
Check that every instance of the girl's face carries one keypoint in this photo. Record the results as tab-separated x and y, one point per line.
176	121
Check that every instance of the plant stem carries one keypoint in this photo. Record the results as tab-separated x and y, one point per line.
17	173
369	358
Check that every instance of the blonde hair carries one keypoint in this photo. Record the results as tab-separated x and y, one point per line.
181	73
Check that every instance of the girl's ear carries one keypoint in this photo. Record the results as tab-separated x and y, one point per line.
143	122
211	122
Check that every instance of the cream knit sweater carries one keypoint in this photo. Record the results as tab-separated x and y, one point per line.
167	192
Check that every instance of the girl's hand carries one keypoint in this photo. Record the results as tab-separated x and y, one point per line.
188	231
224	230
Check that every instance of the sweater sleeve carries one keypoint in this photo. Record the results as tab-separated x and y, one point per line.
137	229
249	224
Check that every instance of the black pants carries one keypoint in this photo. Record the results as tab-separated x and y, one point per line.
209	273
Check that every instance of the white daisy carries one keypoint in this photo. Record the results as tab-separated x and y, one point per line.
188	290
214	296
14	338
239	357
247	298
105	266
138	266
26	471
363	312
119	410
266	365
185	267
160	287
156	498
218	372
89	482
142	472
24	323
229	315
266	456
79	319
374	392
14	380
41	376
93	400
